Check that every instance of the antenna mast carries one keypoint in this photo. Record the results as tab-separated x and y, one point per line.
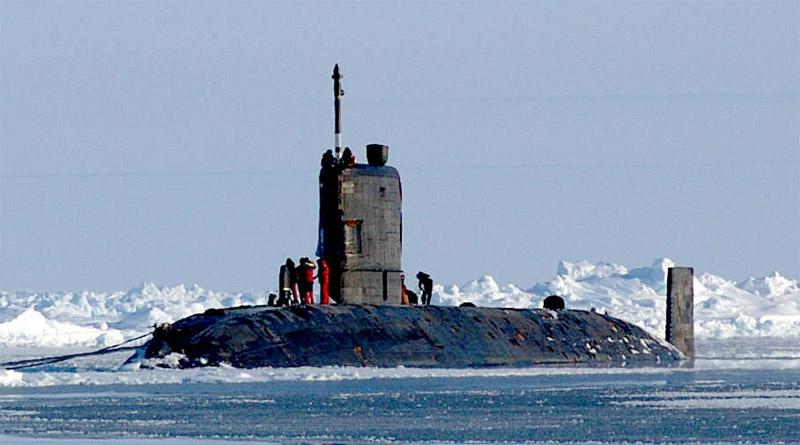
337	106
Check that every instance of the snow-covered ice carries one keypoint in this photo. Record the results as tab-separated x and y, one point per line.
91	318
765	306
31	327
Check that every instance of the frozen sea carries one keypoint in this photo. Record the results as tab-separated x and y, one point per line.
740	391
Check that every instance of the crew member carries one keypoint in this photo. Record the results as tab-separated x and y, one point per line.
324	276
328	160
305	280
292	270
348	158
425	286
286	281
403	290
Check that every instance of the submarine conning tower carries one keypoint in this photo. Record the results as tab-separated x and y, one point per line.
361	224
361	231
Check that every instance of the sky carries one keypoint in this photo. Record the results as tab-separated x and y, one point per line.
179	142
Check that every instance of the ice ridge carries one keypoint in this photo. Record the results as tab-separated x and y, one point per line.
763	306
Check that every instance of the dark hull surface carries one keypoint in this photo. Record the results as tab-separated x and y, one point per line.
387	336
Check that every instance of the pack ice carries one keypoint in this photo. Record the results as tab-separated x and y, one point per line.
765	306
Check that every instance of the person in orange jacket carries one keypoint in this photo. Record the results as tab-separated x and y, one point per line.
403	290
305	280
324	276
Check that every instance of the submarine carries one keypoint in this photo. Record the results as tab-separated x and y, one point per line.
370	323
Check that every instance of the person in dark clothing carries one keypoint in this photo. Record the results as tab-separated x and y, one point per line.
413	300
285	279
348	158
291	270
283	301
425	286
328	160
271	300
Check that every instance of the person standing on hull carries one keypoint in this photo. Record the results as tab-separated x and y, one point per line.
409	296
324	276
403	290
426	287
305	280
292	271
286	282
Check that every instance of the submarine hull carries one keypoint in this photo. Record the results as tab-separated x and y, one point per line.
389	336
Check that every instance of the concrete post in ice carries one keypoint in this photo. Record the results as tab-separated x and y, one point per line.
680	309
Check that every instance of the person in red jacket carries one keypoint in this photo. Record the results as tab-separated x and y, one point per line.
305	280
324	276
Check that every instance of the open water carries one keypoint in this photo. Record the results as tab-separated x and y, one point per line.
753	399
740	391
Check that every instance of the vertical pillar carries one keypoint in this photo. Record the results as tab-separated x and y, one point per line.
680	309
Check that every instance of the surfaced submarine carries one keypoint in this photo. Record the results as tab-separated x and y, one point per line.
360	238
412	336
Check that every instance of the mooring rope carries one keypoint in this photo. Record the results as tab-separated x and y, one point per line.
29	363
